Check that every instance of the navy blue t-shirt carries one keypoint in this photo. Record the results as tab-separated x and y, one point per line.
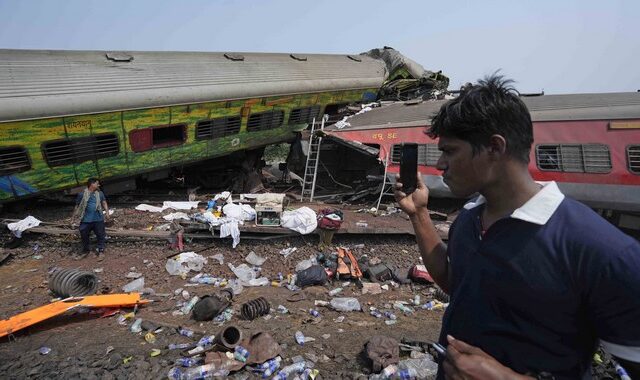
537	297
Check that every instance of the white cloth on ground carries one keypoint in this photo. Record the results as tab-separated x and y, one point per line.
302	220
230	228
176	215
146	207
187	205
17	228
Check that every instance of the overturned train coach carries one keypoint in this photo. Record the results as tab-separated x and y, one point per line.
69	115
588	143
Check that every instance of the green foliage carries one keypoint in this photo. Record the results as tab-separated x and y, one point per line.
276	153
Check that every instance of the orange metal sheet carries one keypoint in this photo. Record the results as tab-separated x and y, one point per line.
31	317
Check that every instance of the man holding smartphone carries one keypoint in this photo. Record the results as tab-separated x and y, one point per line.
536	279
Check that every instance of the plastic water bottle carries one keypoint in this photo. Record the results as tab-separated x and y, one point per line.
621	372
188	362
241	354
335	292
175	373
299	338
185	332
402	307
416	300
186	309
373	311
206	340
284	373
180	346
429	305
314	313
269	367
406	374
390	315
206	371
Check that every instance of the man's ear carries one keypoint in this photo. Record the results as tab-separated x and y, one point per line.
497	147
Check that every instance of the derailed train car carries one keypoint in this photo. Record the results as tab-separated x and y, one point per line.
69	115
588	143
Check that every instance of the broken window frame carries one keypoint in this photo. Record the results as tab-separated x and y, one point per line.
13	160
144	139
592	158
219	127
80	149
304	115
266	120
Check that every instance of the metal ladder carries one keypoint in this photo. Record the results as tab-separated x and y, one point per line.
311	166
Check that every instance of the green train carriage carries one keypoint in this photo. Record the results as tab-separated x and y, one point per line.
69	115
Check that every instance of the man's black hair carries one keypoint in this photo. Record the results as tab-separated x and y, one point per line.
491	107
91	181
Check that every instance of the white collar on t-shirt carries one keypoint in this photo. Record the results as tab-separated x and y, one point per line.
536	210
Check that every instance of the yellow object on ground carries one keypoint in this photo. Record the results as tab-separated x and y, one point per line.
31	317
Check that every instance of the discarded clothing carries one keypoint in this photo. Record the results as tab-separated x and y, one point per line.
146	207
302	220
179	205
176	215
230	228
17	228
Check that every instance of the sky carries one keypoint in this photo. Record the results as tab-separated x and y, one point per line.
555	46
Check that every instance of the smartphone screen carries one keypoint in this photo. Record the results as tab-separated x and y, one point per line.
409	167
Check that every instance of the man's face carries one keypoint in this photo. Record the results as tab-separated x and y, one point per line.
94	186
464	173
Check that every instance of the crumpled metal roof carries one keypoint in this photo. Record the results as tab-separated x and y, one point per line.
46	83
622	105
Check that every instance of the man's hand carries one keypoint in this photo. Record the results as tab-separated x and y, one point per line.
416	200
464	361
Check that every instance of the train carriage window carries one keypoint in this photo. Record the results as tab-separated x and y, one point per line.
215	128
157	137
548	157
303	115
576	158
633	158
265	120
428	154
77	150
14	160
597	158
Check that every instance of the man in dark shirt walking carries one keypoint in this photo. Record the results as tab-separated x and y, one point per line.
536	280
91	212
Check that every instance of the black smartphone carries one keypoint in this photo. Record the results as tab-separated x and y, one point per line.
409	167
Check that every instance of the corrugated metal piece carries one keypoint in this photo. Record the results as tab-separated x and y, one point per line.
623	105
46	83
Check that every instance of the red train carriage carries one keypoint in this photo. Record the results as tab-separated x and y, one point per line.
588	143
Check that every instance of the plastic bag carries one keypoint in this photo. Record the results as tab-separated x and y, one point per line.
302	220
314	275
185	262
345	304
134	286
232	210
